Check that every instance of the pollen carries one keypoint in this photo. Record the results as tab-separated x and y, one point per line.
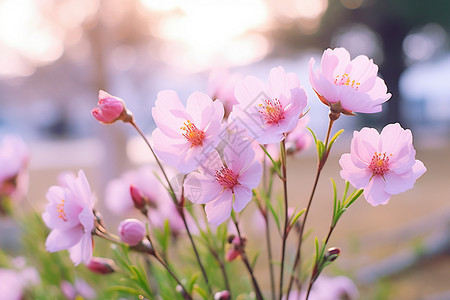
379	164
272	111
60	211
226	177
192	133
346	80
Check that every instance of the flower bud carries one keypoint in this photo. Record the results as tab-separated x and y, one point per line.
223	295
101	265
110	109
183	292
131	231
230	238
332	254
236	247
139	199
232	254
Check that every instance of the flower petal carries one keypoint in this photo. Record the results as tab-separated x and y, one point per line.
220	210
251	176
358	177
375	193
82	252
201	188
59	240
242	196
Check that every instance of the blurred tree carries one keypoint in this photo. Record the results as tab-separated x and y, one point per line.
392	20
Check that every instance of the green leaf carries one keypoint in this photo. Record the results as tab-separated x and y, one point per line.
317	248
141	279
354	198
255	258
296	216
201	292
274	213
124	289
335	200
333	139
275	165
191	283
347	185
319	144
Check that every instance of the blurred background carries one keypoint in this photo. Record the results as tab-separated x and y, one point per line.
56	54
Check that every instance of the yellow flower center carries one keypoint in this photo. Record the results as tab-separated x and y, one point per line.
192	133
272	111
60	211
346	80
379	164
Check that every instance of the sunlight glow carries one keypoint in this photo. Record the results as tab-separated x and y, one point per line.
34	32
25	36
203	34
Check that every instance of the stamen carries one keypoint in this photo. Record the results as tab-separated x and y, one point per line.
60	210
379	164
272	111
346	80
192	133
226	177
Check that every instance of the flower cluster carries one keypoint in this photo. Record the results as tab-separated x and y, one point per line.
14	159
223	145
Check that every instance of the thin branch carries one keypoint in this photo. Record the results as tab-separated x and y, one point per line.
247	264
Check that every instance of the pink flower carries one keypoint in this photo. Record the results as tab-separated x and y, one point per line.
69	215
14	282
131	231
354	84
110	109
221	86
79	288
328	288
11	285
118	196
382	164
299	139
161	207
225	185
185	135
267	112
14	157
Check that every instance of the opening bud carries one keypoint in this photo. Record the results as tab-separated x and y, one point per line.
101	265
223	295
132	231
332	253
111	109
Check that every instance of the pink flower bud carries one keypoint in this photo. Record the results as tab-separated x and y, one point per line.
101	265
232	254
110	109
131	231
236	247
223	295
137	196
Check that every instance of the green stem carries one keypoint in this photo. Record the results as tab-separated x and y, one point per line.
172	191
246	262
321	163
185	293
286	219
180	205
